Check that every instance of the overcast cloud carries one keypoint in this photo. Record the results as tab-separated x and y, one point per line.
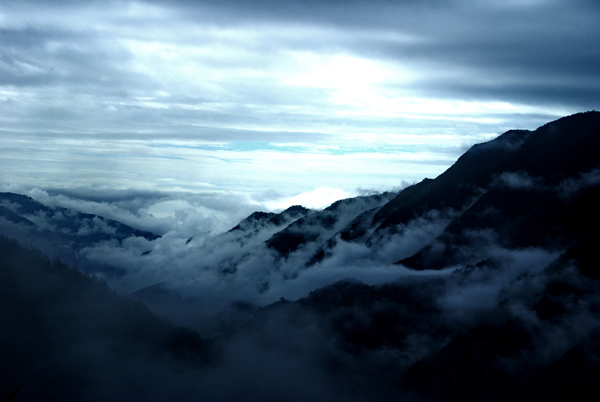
278	98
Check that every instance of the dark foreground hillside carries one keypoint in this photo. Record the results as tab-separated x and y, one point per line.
65	336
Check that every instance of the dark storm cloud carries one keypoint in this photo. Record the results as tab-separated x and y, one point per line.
353	14
540	36
538	53
38	56
542	51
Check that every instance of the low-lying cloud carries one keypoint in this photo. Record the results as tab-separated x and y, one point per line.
352	326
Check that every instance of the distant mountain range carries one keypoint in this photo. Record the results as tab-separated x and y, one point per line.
61	232
73	226
524	188
496	293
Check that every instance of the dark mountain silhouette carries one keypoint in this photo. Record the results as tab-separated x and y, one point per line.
61	333
554	152
457	185
12	217
515	318
544	193
259	220
320	227
75	226
525	189
62	232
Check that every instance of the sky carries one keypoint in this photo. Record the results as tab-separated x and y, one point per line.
277	102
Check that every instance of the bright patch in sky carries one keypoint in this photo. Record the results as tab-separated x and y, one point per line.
318	198
340	72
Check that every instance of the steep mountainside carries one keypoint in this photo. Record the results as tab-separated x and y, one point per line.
456	186
524	189
65	336
259	220
75	226
320	227
61	232
545	195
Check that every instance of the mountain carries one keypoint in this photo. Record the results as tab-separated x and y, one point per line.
502	304
506	331
542	192
321	227
455	187
65	336
480	284
75	226
58	231
260	220
523	189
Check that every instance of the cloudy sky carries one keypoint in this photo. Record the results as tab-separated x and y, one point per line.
274	99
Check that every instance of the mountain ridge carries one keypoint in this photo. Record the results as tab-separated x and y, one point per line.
512	173
62	232
495	295
528	195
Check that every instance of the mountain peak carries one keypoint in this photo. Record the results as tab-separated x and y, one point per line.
522	203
